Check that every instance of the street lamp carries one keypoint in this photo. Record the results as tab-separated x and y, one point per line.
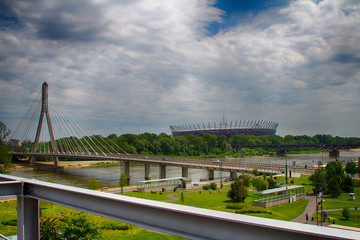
286	169
221	185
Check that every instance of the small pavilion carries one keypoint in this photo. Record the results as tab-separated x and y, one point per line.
281	195
164	183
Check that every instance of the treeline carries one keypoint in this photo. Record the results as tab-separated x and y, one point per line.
211	145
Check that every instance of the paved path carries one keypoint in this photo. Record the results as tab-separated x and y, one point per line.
173	199
310	210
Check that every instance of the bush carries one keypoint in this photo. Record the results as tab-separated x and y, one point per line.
237	192
235	206
260	184
206	187
253	209
93	184
114	226
213	186
246	179
12	222
346	213
255	172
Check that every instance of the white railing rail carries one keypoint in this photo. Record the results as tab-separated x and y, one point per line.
185	221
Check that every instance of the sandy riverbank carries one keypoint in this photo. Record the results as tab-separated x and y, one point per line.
24	166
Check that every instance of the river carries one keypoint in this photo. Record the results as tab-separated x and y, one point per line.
108	176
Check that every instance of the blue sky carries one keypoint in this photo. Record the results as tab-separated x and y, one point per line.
237	12
141	66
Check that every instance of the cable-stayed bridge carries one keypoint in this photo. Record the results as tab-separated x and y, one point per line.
51	129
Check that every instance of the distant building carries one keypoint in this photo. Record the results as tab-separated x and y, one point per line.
250	127
13	143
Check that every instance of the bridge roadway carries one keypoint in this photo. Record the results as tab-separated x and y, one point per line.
282	148
211	165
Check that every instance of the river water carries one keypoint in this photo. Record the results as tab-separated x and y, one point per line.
108	176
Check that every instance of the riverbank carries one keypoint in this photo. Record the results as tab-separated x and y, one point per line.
25	165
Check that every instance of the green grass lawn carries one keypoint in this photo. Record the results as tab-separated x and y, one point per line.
286	212
8	218
158	196
354	221
340	205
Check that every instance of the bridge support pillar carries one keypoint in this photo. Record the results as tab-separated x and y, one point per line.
233	175
185	172
334	153
281	153
211	175
162	171
127	171
147	171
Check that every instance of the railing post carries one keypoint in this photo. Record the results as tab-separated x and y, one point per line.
28	224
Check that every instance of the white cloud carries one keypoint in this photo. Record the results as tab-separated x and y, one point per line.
133	64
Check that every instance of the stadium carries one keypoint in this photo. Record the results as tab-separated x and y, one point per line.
250	127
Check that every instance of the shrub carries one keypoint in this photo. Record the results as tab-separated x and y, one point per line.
12	222
206	187
252	209
114	226
246	179
346	213
255	172
237	192
213	186
235	205
260	184
93	184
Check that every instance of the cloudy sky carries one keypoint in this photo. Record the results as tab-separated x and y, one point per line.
135	66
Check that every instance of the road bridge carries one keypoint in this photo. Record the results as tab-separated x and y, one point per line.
281	149
234	167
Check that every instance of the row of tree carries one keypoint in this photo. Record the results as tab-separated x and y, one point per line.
207	144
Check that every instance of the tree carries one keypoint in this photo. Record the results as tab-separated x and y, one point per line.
246	179
255	171
3	132
237	192
348	185
4	158
335	170
350	168
182	198
93	184
49	228
260	184
318	178
333	187
346	213
76	226
123	181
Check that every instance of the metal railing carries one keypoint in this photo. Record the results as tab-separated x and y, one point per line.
185	221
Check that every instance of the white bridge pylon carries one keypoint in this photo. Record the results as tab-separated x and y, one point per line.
45	111
64	134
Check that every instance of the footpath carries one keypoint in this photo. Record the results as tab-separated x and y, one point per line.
310	210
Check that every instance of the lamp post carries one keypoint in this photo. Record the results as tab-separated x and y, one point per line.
221	185
286	169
